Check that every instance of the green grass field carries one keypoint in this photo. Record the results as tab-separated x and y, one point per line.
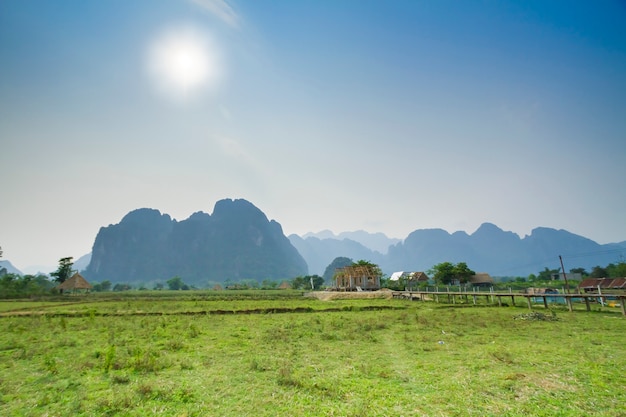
191	356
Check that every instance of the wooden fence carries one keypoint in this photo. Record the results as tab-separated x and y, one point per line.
453	296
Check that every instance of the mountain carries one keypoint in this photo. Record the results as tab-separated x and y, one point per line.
499	253
81	263
10	269
319	253
489	249
378	242
236	242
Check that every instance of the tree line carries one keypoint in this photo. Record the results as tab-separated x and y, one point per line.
444	273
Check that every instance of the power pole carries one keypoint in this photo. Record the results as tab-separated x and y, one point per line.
564	275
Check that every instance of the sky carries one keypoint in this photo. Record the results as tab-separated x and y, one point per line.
384	116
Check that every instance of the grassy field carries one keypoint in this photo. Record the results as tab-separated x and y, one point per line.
192	356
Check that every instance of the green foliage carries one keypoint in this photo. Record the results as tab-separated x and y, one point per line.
16	286
64	271
109	358
102	286
447	273
345	362
547	274
304	283
598	272
616	270
176	283
122	287
268	284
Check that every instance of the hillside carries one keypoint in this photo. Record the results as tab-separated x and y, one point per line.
488	249
236	242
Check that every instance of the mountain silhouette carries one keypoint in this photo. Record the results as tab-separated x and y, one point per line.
237	242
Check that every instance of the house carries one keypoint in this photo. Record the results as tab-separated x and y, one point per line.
357	277
570	276
410	277
605	284
481	279
74	283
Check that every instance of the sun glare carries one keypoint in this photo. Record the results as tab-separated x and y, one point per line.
183	62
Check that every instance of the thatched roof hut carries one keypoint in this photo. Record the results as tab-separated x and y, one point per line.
284	286
75	282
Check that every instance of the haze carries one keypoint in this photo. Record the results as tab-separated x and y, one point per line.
382	116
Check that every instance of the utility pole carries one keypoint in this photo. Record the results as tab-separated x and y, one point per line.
564	275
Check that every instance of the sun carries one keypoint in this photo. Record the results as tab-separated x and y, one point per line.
183	62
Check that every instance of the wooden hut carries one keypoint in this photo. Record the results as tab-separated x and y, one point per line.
357	278
284	286
605	284
74	283
481	279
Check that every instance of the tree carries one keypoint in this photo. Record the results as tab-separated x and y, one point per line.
64	271
268	284
299	283
598	272
122	287
14	285
442	273
581	271
547	274
462	272
175	283
304	282
447	273
318	282
616	271
102	286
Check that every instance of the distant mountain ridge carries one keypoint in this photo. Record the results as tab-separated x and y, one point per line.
236	242
378	242
489	249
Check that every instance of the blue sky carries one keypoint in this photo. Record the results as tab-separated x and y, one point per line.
345	115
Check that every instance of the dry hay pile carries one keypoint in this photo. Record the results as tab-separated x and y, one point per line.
349	295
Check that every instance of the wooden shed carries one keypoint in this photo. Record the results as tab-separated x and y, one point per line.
481	279
357	277
605	284
74	283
